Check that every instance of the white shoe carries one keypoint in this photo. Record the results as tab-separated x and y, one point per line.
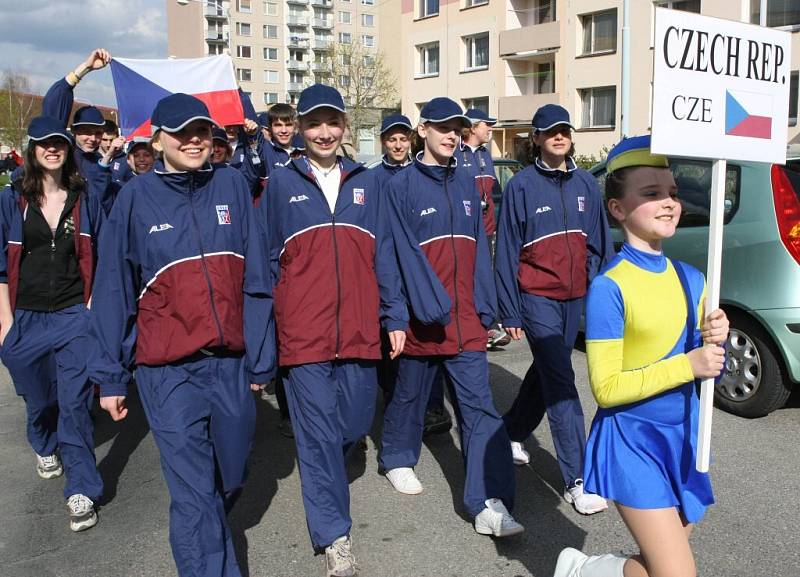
519	454
339	558
573	563
49	467
584	503
496	520
81	512
404	480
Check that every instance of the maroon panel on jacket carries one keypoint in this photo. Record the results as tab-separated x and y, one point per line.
14	259
484	185
555	266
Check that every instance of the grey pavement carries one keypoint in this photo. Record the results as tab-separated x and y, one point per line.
751	531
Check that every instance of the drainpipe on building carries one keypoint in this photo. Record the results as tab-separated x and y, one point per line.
625	105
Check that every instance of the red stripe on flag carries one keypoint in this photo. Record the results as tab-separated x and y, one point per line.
754	127
224	105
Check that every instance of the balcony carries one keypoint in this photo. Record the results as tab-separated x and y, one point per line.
530	41
297	20
296	65
323	23
294	86
298	43
322	44
214	37
321	67
322	3
298	2
214	12
512	109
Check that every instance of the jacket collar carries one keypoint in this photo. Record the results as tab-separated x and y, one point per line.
183	181
394	166
544	169
436	172
346	166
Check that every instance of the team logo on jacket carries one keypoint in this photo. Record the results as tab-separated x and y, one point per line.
358	196
69	225
298	198
427	211
468	207
223	214
542	209
581	203
160	227
116	166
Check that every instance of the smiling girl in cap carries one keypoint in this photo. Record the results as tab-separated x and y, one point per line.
447	276
183	296
46	271
645	337
552	239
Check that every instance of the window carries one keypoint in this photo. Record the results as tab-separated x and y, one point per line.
368	20
478	103
344	38
244	74
270	9
243	51
599	32
693	178
544	11
367	2
369	61
242	29
245	6
471	3
685	5
270	53
598	107
344	80
215	49
793	95
366	81
544	78
296	77
344	59
270	31
428	59
270	97
367	40
780	13
427	8
271	76
344	17
477	51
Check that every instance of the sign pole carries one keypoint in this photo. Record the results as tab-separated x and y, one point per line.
716	219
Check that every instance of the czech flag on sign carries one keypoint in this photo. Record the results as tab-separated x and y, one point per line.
748	114
140	84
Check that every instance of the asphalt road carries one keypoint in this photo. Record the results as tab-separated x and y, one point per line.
751	531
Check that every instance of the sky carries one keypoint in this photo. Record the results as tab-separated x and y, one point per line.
45	39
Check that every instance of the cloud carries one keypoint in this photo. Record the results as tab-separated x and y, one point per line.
48	39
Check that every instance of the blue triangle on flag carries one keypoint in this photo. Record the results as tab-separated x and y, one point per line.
734	112
136	97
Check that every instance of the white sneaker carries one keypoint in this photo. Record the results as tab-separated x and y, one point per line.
573	563
82	515
49	466
339	558
496	520
569	563
519	454
404	480
584	503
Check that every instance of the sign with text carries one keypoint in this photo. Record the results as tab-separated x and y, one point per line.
720	88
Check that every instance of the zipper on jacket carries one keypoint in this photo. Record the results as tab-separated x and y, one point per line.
455	257
52	266
566	231
338	284
203	263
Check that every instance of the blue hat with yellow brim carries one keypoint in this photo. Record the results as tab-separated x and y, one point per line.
634	151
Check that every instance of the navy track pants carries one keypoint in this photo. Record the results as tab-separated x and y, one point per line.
46	354
551	327
332	405
202	415
484	441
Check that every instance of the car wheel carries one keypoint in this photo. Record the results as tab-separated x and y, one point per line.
753	384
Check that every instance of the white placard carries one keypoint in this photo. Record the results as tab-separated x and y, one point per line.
720	88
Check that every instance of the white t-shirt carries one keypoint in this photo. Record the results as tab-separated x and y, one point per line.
329	183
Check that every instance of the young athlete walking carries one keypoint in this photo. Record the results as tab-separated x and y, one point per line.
48	226
183	296
645	336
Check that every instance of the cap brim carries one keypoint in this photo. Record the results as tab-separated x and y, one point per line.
546	128
466	121
86	123
172	129
489	121
51	135
315	107
392	125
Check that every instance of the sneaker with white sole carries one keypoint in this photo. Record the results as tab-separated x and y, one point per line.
584	503
519	454
404	480
82	515
49	466
496	520
339	558
569	564
573	563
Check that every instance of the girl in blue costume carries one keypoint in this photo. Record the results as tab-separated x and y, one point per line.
647	340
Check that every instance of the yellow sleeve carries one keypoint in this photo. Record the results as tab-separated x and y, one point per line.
612	386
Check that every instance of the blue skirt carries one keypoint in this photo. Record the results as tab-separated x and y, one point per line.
642	455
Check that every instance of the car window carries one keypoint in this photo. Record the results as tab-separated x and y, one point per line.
504	172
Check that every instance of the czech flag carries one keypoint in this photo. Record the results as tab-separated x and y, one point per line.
140	84
748	114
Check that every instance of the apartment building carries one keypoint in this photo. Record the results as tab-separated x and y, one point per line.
509	57
278	46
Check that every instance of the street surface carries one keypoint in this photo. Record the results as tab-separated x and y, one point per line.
751	532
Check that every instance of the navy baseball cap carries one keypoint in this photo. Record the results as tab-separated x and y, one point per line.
174	112
550	115
137	141
442	109
218	133
88	116
476	115
44	127
395	120
319	96
298	143
263	119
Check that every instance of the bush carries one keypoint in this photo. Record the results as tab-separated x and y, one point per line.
587	161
